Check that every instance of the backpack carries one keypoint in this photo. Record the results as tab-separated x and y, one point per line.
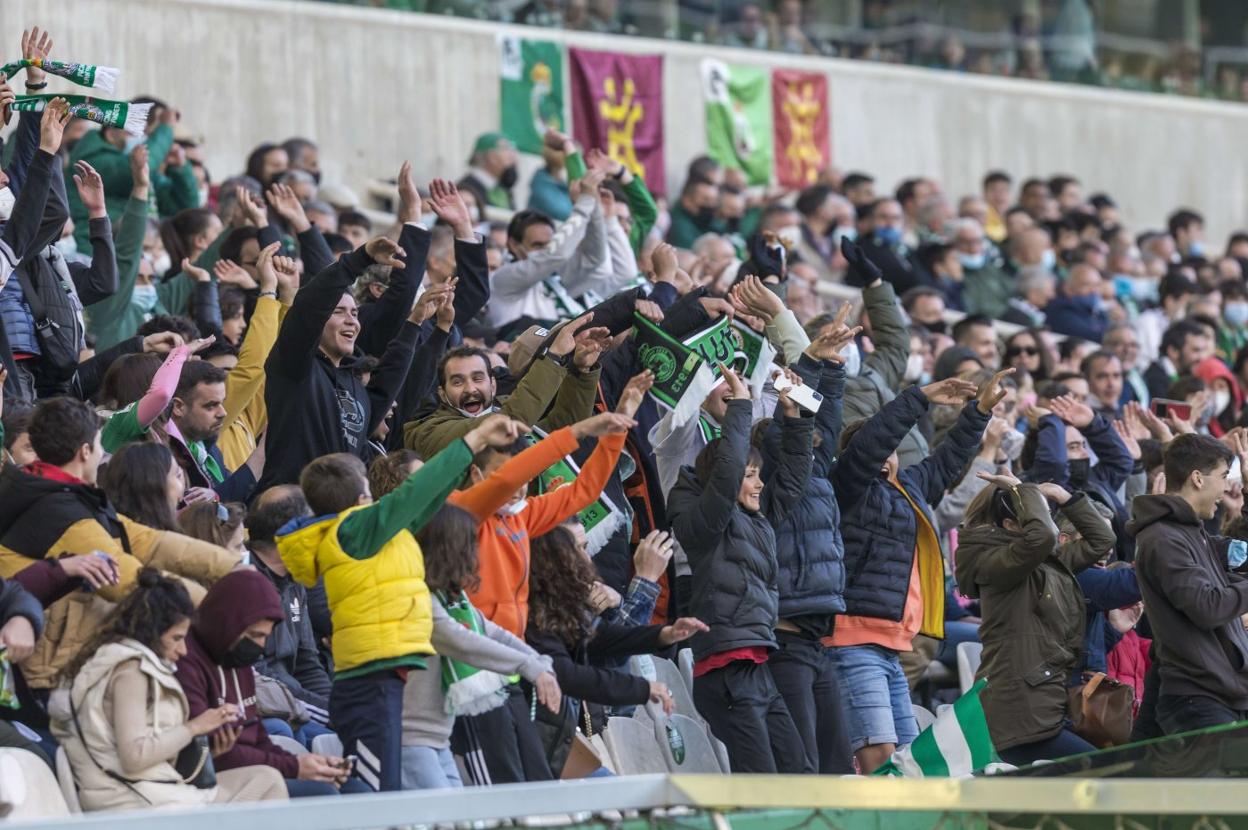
57	321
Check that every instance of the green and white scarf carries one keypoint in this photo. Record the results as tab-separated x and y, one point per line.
467	689
601	518
682	378
100	78
130	117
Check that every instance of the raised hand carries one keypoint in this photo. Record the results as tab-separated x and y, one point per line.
992	392
1003	480
634	393
264	268
598	160
1128	439
790	409
384	251
286	203
565	338
559	142
450	207
162	342
587	185
410	202
427	304
682	630
833	337
7	98
737	390
52	125
591	344
715	307
1073	412
446	310
868	272
140	173
496	430
199	274
652	555
1055	493
90	189
36	46
650	310
950	392
231	273
1239	446
252	207
197	346
663	260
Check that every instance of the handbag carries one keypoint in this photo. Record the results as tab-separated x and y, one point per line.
194	764
1100	710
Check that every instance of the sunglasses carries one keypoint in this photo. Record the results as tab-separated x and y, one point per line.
1015	351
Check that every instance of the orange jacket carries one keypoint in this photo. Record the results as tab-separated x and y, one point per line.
503	541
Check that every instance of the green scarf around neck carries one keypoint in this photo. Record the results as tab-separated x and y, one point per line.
469	690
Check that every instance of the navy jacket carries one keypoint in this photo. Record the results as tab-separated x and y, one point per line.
1075	317
809	550
1104	591
879	526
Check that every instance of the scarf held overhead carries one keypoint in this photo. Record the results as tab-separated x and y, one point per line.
130	117
601	518
100	78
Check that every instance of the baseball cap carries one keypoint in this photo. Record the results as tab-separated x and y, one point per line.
490	141
526	347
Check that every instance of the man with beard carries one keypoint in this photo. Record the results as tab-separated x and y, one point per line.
491	172
197	414
565	373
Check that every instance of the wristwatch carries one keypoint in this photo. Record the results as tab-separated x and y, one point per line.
563	361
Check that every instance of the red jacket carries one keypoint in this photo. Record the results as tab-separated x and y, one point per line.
1128	662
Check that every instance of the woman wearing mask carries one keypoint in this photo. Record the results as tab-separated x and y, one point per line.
1224	393
122	717
1032	609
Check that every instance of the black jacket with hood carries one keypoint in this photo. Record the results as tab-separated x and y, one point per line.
290	654
1194	602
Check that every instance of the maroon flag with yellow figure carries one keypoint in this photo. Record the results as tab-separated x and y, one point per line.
617	106
799	102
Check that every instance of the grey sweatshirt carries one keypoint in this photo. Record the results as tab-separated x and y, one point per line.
425	721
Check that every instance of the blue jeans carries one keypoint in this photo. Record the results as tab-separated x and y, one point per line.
303	734
429	768
313	789
956	632
877	694
1062	744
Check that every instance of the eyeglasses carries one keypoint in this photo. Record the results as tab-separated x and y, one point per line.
1015	351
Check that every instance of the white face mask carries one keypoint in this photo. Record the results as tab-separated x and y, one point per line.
514	508
790	236
914	368
7	200
1221	400
67	245
160	265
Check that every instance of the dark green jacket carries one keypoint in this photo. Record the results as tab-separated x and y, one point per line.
113	165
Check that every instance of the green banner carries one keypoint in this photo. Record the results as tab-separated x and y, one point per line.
674	364
531	99
738	118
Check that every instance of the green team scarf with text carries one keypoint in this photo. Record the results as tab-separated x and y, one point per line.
130	117
601	518
100	78
467	689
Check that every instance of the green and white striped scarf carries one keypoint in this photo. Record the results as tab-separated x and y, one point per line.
100	78
130	117
469	690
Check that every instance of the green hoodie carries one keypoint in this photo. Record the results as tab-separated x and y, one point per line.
113	165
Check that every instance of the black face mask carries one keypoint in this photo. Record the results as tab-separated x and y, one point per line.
939	327
508	178
733	224
705	216
245	653
1078	470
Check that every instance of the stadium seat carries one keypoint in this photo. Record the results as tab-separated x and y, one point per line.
330	745
28	789
289	744
923	716
698	753
970	655
684	659
632	748
667	672
65	778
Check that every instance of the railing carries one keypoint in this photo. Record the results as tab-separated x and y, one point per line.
1184	47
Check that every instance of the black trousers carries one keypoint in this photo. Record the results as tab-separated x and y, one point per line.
505	741
803	672
1183	713
743	707
1146	725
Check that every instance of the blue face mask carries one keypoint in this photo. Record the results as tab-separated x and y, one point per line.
1237	553
973	262
889	235
144	298
1196	248
1049	259
1236	314
133	141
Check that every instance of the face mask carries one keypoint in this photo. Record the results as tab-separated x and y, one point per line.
246	653
939	327
67	245
1049	259
914	367
853	360
1236	314
203	197
1221	400
1012	444
889	235
133	141
973	262
1237	553
1206	415
7	200
704	216
733	224
1143	289
508	179
1196	249
514	508
790	236
1078	470
842	232
162	263
144	298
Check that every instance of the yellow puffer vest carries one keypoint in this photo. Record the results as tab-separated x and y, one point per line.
380	606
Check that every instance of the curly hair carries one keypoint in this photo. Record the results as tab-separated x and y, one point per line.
448	542
156	604
559	587
387	472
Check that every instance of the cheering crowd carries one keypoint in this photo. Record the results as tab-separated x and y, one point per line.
272	468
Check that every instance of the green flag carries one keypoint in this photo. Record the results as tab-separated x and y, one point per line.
531	98
738	118
955	746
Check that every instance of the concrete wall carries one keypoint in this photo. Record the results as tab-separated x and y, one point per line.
375	87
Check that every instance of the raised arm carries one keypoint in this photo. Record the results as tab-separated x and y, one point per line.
873	443
471	266
785	488
486	497
98	280
1002	567
518	277
702	519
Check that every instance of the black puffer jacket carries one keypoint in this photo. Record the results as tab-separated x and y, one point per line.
879	524
732	551
809	549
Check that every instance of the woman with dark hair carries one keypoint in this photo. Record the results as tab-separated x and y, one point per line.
145	484
267	162
1026	352
121	715
561	625
187	234
474	661
218	522
1032	608
15	426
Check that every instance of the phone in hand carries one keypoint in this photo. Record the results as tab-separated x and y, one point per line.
804	396
1163	408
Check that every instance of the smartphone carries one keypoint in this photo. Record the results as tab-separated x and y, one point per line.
803	396
1164	407
348	764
